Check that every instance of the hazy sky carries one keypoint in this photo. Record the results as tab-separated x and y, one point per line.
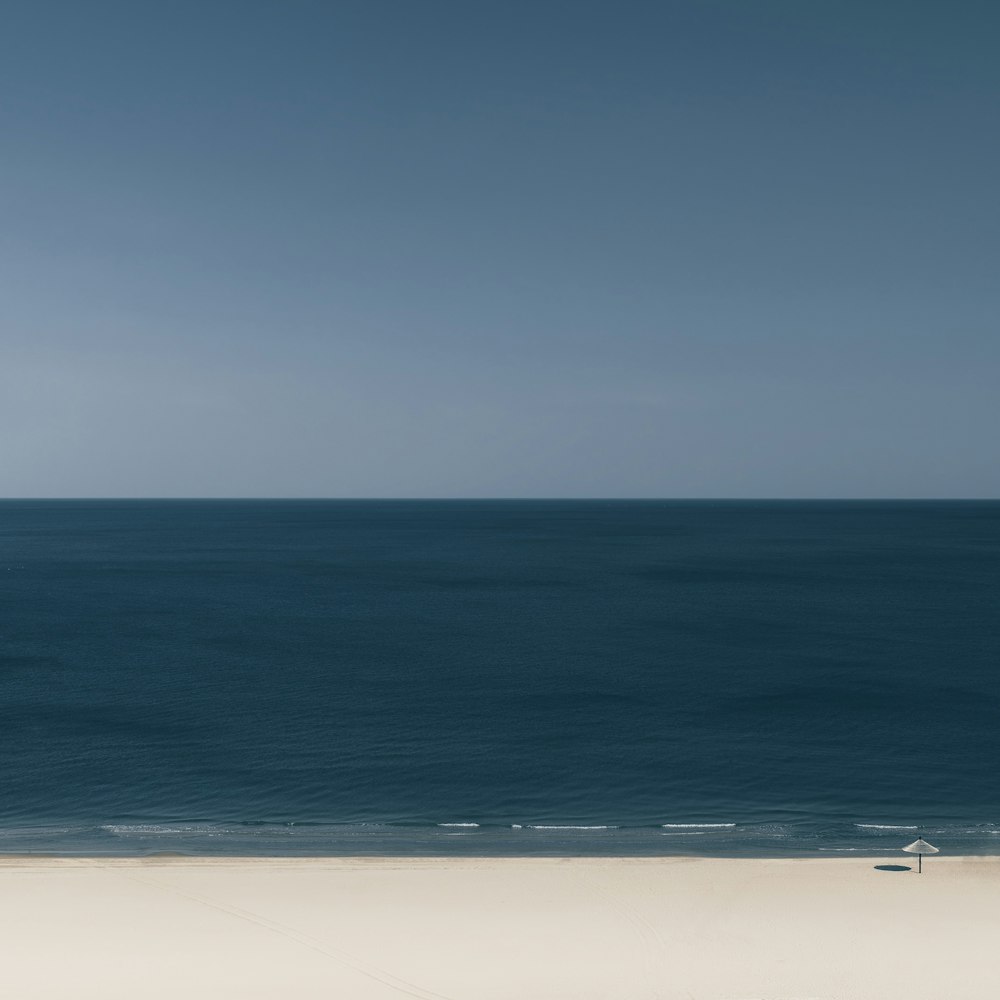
422	248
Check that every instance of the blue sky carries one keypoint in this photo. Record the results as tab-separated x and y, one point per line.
691	249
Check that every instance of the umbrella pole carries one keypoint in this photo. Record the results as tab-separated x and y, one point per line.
920	863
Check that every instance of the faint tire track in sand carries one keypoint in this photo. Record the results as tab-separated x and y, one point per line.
652	946
379	975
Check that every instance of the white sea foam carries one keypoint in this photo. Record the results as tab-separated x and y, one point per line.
516	826
686	833
459	824
41	831
539	826
697	826
882	826
125	829
192	829
985	830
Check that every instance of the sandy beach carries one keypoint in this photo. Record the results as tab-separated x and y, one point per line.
479	929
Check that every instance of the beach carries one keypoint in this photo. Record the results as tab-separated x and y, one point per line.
485	928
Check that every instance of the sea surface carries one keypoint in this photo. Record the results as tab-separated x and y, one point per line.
499	677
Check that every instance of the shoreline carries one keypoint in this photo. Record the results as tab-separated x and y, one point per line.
804	854
813	854
464	838
490	928
472	862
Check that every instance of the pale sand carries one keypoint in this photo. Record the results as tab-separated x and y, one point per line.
511	928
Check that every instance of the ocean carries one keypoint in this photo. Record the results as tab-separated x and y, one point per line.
499	677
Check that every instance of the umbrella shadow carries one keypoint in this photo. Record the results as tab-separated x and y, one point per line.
893	868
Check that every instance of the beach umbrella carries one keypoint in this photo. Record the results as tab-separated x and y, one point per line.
920	847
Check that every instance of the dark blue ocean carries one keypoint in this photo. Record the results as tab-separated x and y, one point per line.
499	677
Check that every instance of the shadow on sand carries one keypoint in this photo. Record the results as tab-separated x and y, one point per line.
893	868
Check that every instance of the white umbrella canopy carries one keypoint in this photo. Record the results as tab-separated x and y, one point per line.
920	847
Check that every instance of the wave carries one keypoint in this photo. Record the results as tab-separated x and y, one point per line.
549	826
459	824
120	829
984	830
698	826
883	826
250	829
42	831
768	830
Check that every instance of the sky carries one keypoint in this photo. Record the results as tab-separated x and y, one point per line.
387	248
